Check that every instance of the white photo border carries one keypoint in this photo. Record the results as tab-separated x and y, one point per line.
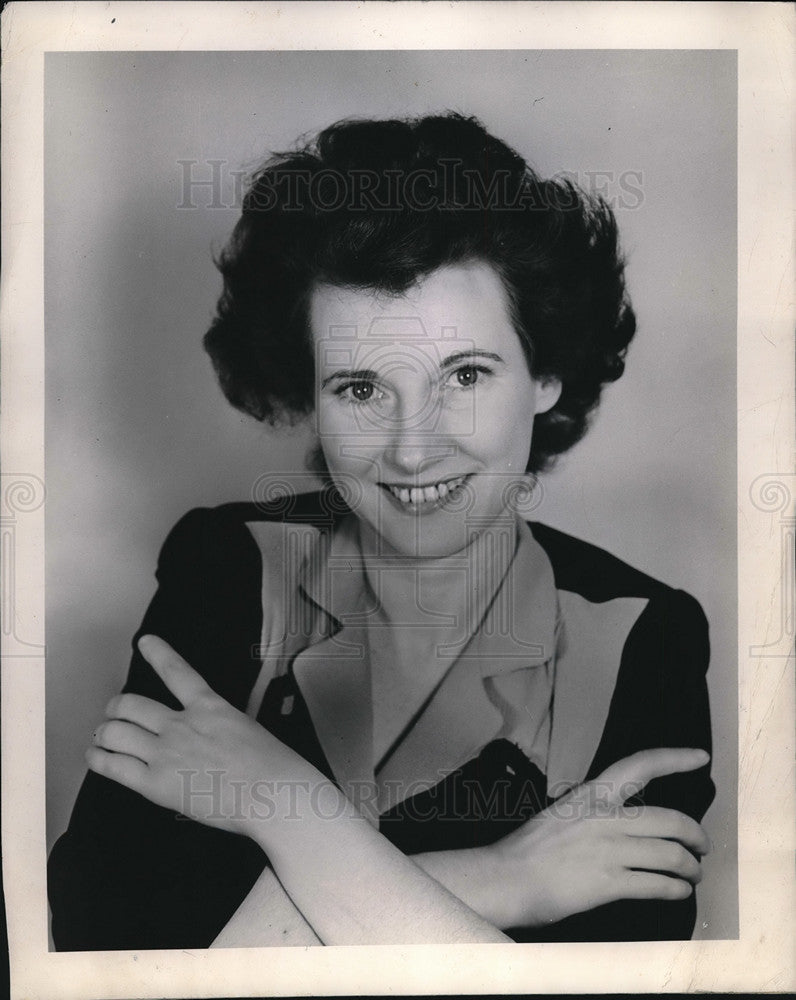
762	959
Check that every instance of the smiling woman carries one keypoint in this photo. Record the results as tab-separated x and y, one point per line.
437	399
399	688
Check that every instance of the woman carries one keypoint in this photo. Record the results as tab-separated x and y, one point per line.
394	710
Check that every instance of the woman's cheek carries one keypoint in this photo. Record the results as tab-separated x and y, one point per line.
335	427
519	425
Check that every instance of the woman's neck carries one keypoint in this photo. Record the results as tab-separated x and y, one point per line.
442	595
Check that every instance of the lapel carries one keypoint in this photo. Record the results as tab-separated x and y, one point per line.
589	653
333	672
287	550
334	679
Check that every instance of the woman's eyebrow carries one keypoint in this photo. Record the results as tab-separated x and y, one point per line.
353	375
369	375
459	356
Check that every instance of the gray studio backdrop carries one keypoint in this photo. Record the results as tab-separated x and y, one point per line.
137	431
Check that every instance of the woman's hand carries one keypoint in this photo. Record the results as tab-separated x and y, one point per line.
208	761
336	869
588	848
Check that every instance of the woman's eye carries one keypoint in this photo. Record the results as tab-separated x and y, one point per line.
359	392
466	376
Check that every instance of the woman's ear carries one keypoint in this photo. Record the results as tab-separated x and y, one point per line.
547	394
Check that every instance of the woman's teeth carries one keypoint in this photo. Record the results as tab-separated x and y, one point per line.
425	494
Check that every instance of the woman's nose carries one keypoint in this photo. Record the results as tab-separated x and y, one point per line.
412	456
418	443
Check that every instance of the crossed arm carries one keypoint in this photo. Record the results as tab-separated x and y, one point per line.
336	868
331	870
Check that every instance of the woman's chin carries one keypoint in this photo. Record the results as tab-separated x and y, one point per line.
423	547
416	534
432	529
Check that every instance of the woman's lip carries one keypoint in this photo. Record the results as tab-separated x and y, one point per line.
422	486
431	495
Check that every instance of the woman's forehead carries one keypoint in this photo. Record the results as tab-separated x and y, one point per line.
460	305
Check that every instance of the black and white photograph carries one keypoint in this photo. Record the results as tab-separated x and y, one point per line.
389	512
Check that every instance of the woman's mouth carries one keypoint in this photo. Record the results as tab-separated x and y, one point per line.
417	496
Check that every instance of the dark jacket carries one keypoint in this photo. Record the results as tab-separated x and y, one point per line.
130	875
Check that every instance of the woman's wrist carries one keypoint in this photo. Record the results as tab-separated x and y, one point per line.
291	808
477	875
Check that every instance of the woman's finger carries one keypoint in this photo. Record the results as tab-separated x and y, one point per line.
125	738
666	824
178	676
665	856
142	711
628	776
651	885
128	771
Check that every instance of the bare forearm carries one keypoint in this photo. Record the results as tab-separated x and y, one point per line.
268	916
471	874
339	871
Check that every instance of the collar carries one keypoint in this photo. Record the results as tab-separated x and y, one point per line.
517	628
529	623
332	573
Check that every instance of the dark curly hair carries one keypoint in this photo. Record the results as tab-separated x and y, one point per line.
380	204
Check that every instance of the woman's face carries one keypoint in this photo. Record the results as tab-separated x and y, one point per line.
425	405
